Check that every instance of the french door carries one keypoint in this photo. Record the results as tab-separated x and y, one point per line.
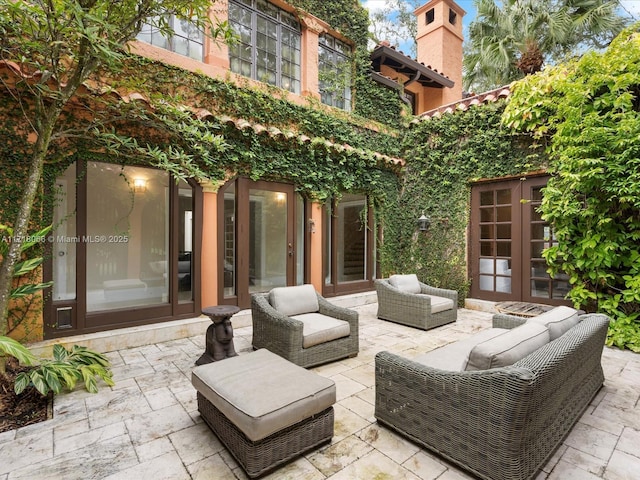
261	246
348	246
507	237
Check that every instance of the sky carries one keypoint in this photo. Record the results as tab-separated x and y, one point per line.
630	8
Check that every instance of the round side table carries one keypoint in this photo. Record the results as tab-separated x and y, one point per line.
219	336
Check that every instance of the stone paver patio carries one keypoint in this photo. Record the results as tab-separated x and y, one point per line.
148	426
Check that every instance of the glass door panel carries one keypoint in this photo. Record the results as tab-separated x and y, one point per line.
127	247
269	248
352	238
185	241
229	241
541	236
64	232
260	245
495	228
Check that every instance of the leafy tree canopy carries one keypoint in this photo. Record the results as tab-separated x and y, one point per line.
514	38
589	111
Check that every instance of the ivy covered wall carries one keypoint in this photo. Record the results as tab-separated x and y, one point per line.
444	155
350	18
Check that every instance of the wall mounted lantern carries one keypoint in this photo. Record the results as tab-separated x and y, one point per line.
139	185
423	223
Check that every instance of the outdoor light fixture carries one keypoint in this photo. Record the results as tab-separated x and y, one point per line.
424	222
139	185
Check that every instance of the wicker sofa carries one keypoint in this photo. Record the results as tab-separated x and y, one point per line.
501	423
403	299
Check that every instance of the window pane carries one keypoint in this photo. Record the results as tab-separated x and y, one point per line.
267	240
128	263
185	241
486	249
486	232
486	198
486	214
64	231
503	196
196	50
504	231
503	214
230	241
181	46
503	249
352	238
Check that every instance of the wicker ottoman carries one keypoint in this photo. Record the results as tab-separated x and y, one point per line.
265	409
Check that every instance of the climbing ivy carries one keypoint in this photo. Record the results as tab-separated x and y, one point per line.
348	17
443	156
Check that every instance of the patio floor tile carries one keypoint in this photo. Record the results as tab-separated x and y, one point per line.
148	426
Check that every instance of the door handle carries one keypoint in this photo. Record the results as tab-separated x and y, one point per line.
291	250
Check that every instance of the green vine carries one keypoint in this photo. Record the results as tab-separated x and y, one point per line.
443	156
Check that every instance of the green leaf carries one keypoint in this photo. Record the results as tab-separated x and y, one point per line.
26	266
22	381
51	378
8	346
39	382
29	289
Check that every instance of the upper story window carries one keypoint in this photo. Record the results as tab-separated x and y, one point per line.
334	69
268	49
186	39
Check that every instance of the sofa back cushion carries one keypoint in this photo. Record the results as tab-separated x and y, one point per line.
406	283
558	320
509	347
294	300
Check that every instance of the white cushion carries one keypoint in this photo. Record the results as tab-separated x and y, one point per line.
320	328
262	393
292	301
509	347
439	304
453	356
406	283
558	320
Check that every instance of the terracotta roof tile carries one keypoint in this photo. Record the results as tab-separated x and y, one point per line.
464	104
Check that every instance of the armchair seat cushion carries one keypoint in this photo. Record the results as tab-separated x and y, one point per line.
295	300
318	328
439	304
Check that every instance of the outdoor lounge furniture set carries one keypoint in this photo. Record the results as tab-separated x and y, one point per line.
497	403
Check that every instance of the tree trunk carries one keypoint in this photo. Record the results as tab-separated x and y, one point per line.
21	224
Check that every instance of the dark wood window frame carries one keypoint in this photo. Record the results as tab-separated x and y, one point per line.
334	287
83	322
285	22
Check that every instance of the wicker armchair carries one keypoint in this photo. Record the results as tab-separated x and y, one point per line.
286	336
503	423
415	306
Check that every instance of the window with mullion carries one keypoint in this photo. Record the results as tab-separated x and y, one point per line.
187	39
334	67
269	46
